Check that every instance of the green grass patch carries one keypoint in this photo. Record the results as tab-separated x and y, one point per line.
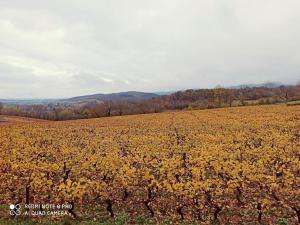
292	103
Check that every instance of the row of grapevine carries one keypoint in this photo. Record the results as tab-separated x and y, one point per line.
235	165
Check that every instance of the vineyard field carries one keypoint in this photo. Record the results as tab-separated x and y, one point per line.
238	165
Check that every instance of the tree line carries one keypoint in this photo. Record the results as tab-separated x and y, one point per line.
181	100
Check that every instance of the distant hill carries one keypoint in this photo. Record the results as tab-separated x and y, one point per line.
28	101
97	98
121	96
267	85
164	92
129	103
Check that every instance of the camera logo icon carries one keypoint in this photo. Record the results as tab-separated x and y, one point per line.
15	210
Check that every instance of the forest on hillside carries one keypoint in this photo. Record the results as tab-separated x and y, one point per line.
189	99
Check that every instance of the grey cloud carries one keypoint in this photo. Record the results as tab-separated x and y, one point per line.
90	80
70	48
11	75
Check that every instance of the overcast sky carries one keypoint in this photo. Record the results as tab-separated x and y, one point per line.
62	48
